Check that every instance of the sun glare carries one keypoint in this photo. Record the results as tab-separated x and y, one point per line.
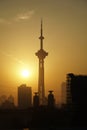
25	73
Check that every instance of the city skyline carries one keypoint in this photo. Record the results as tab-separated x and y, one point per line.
65	32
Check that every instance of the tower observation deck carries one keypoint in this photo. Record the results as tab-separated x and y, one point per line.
41	54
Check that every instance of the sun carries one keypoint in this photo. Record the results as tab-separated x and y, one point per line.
25	73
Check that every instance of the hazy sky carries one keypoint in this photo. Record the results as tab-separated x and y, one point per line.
65	32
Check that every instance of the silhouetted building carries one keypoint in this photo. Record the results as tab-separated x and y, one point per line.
41	54
51	100
68	89
36	101
11	99
8	105
24	96
78	89
63	93
3	98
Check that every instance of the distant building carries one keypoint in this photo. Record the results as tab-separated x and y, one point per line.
51	100
8	103
68	89
24	96
77	86
36	100
63	93
11	99
3	98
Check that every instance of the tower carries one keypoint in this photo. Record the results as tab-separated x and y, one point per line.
41	54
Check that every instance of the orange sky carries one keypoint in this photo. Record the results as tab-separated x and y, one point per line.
65	32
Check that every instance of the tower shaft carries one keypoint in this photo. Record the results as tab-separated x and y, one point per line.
41	54
41	88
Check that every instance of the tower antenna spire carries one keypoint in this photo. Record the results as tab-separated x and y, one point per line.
41	35
41	27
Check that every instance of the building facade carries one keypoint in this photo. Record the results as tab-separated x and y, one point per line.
24	96
63	93
77	90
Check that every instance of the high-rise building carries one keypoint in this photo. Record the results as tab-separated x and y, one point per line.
68	89
77	85
24	96
41	54
63	93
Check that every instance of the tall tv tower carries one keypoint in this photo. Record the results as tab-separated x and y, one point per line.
41	54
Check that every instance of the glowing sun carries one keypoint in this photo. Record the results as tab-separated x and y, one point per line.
25	73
